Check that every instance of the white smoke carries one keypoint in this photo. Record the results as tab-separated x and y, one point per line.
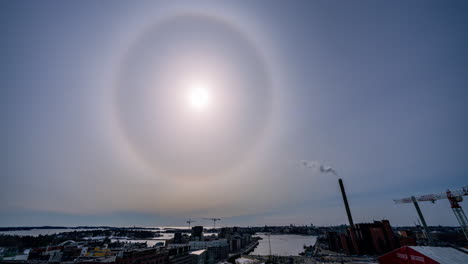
316	165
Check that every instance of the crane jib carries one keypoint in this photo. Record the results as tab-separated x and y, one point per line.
434	197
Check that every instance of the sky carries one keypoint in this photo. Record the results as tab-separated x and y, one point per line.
148	113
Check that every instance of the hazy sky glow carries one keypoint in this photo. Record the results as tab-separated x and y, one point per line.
173	55
149	113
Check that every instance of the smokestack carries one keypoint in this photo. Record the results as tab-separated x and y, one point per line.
345	200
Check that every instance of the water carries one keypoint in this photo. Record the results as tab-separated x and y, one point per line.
283	245
37	232
151	242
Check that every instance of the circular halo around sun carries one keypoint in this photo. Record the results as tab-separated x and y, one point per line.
193	96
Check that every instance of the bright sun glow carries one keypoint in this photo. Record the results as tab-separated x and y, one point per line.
199	96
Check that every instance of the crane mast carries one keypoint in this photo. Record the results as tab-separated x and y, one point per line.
458	211
189	222
214	221
454	198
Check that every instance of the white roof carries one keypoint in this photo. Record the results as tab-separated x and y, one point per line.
443	255
245	261
17	257
198	252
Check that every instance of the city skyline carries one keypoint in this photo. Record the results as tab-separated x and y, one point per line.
151	113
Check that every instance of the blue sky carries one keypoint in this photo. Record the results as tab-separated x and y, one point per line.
97	130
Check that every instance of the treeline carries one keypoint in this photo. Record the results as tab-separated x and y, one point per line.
25	228
23	242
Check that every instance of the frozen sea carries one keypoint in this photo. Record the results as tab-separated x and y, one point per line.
283	245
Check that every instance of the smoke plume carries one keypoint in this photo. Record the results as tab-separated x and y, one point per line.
316	165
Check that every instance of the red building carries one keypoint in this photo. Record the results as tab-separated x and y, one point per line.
374	238
378	238
407	241
424	255
346	244
365	239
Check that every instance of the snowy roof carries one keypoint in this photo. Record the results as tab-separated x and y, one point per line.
17	257
443	255
198	252
245	261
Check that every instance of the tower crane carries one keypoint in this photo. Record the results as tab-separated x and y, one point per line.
190	221
214	221
454	198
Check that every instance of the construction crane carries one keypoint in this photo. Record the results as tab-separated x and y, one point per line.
214	221
454	198
190	221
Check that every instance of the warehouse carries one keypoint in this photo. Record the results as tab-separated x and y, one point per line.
424	255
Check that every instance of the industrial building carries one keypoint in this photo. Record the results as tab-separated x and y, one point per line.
364	239
424	255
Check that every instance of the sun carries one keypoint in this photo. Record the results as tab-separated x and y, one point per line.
199	97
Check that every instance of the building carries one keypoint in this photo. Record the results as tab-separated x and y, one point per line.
333	241
236	239
178	239
375	238
48	254
179	254
197	245
199	256
246	261
407	241
98	252
143	256
217	250
235	243
365	239
346	244
97	260
70	253
197	233
424	255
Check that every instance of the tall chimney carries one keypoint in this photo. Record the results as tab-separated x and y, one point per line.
345	200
